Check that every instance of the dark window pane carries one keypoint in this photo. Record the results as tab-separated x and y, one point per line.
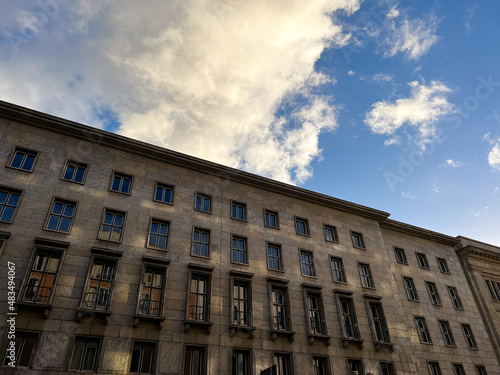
68	175
28	163
80	172
136	357
116	183
17	160
125	185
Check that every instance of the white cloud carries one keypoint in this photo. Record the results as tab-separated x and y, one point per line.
452	163
186	75
494	154
408	195
495	190
381	78
482	213
393	13
392	141
351	72
425	106
436	189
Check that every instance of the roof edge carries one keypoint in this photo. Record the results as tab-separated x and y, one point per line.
419	232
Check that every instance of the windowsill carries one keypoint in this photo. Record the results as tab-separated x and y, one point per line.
303	234
110	241
240	264
359	248
156	249
275	270
382	344
203	212
75	182
233	328
352	340
309	277
168	203
242	220
369	287
200	256
199	324
80	313
149	318
36	306
270	227
319	336
119	192
19	169
56	231
332	241
282	332
403	263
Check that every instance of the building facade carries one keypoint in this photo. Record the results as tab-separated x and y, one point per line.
123	257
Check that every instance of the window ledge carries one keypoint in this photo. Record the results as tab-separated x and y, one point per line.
199	324
282	332
80	313
35	306
382	344
352	340
148	318
315	336
233	328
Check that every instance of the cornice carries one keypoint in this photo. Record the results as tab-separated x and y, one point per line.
419	232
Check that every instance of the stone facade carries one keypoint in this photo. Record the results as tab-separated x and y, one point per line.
391	332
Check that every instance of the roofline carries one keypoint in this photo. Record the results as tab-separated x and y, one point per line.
419	232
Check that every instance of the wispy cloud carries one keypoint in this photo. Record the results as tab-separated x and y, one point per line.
452	163
381	78
392	141
436	189
351	73
469	15
494	153
408	195
422	109
482	213
393	13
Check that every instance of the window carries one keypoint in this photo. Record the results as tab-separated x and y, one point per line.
112	226
238	211
121	183
274	261
239	250
9	201
400	255
280	309
307	264
203	203
433	293
315	314
26	343
494	288
423	332
143	358
97	295
42	276
458	369
338	272
349	320
357	240
481	370
320	365
151	292
164	193
195	362
446	331
201	242
434	368
199	298
158	234
422	260
61	215
241	303
283	365
271	219
379	323
331	234
74	172
241	362
365	275
443	265
469	337
455	298
85	354
411	291
23	159
302	226
387	368
355	366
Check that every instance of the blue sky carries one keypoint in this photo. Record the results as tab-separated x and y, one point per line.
390	104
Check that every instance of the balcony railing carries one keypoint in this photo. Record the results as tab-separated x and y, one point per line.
352	331
282	323
242	318
149	307
198	313
317	327
96	301
37	294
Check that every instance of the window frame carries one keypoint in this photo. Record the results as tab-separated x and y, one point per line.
443	265
470	340
235	237
87	339
458	369
413	289
333	230
201	272
122	176
299	222
247	366
456	301
288	357
391	368
64	202
237	205
281	285
279	259
158	235
204	360
303	256
359	364
367	281
154	265
434	364
276	216
402	259
480	369
422	261
342	296
360	239
141	357
309	292
423	331
494	288
26	151
161	185
77	165
382	327
433	294
340	271
114	212
193	242
9	192
203	197
24	334
448	338
325	365
241	278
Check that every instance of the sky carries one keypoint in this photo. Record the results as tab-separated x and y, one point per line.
390	104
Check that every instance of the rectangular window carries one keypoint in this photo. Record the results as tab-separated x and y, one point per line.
494	288
195	362
112	226
241	362
199	298
387	368
41	280
271	219
349	320
74	172
469	337
320	365
26	343
411	291
447	334
61	216
422	260
152	291
355	366
316	314
433	293
121	183
239	250
241	303
481	370
164	193
281	320
455	298
307	264
400	255
238	211
283	364
274	261
365	275
423	331
357	240
434	368
23	159
338	272
379	322
443	265
331	234
143	358
158	234
9	202
97	295
203	203
302	226
458	369
201	242
85	354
